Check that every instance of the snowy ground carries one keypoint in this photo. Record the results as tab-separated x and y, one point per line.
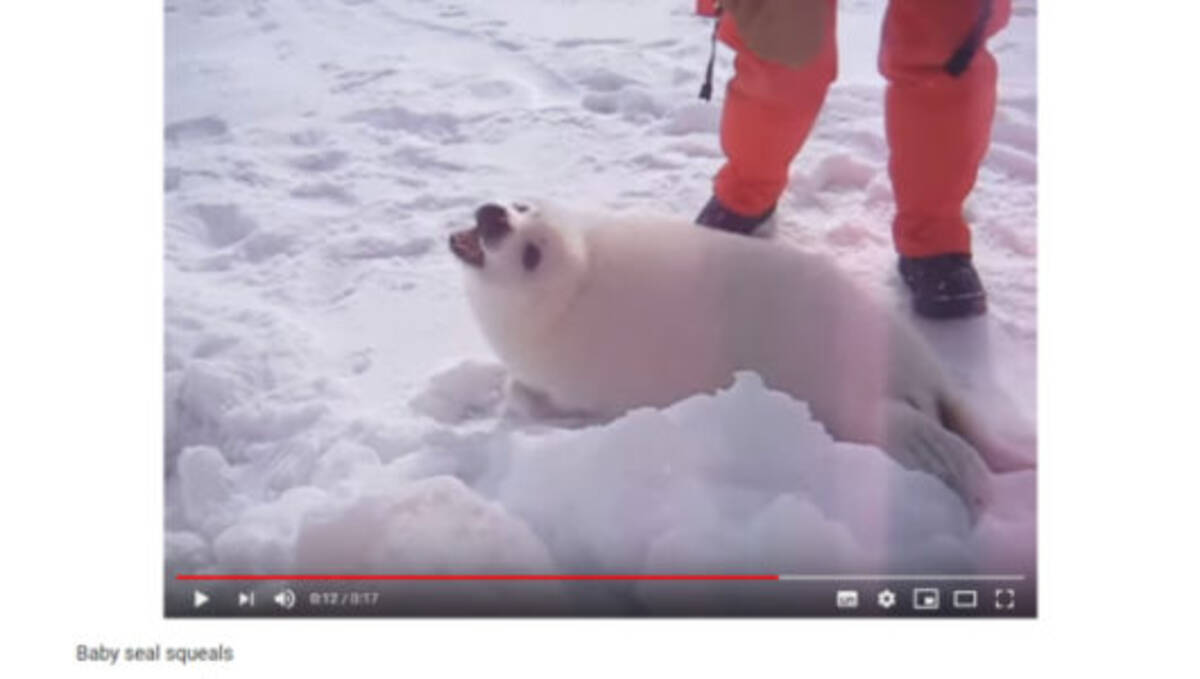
330	404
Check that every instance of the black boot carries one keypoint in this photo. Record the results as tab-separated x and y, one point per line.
944	286
718	216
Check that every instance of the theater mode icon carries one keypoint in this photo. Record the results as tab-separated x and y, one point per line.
966	599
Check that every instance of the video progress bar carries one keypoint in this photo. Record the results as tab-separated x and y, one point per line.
820	577
474	577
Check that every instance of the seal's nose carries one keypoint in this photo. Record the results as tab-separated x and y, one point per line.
492	222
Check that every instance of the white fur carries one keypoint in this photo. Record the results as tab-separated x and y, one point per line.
624	313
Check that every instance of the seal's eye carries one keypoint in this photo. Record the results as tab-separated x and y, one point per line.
520	207
531	257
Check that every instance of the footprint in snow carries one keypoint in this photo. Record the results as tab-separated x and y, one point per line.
196	129
323	161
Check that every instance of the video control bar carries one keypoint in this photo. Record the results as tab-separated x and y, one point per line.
1008	596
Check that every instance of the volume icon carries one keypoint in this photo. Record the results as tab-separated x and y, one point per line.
286	599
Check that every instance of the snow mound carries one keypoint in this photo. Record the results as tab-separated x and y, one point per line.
435	525
741	481
467	389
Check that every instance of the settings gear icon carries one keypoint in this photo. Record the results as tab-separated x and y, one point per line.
886	599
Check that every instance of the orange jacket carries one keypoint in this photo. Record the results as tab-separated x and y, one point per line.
788	32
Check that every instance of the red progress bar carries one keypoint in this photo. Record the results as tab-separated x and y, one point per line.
319	576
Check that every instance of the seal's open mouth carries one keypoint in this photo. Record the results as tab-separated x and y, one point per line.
465	244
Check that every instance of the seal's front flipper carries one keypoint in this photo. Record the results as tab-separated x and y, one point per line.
524	404
917	441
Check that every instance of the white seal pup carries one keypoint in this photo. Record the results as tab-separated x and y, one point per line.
606	315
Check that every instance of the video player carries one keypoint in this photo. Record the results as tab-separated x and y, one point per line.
348	435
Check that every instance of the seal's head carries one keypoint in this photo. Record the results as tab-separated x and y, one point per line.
523	262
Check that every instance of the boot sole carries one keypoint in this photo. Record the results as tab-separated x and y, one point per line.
942	309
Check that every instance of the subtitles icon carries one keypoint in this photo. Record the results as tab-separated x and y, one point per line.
926	599
966	598
847	598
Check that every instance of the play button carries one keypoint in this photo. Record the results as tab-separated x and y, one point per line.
199	598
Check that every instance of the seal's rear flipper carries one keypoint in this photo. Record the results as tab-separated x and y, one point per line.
917	441
1001	456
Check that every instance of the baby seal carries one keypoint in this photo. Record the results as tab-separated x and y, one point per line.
603	315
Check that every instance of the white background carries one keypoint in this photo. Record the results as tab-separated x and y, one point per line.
82	295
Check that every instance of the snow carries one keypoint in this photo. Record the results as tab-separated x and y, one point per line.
743	481
330	402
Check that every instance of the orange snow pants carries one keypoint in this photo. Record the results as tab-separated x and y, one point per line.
938	124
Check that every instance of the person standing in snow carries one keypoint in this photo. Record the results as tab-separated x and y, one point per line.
939	104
